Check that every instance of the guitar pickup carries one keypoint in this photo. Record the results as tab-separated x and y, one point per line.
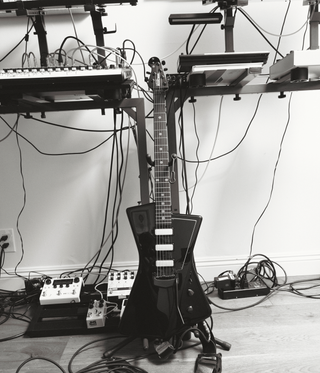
164	263
163	232
164	247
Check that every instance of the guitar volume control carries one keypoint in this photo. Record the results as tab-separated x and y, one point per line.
190	292
190	309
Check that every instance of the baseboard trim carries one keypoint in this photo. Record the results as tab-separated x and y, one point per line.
290	265
305	264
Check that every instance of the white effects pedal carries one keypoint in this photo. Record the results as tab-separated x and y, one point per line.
61	290
120	283
97	314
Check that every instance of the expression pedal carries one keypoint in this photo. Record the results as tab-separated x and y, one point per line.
61	290
120	283
97	314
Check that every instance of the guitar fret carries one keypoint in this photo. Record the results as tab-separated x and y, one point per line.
163	211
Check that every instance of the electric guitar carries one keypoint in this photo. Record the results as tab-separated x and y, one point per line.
166	298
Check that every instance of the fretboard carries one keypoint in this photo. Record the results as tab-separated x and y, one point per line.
163	218
161	160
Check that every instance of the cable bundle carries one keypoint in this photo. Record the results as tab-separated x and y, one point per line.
263	270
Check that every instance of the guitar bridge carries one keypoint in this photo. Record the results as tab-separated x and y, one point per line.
164	281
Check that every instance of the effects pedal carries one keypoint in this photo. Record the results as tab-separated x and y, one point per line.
61	290
120	283
97	314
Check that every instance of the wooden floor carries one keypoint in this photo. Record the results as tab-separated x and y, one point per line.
279	335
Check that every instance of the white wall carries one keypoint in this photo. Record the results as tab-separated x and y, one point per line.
61	224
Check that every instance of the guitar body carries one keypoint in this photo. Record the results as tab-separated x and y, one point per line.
163	307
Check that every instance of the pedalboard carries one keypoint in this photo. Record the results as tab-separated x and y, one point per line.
253	289
120	283
61	290
97	314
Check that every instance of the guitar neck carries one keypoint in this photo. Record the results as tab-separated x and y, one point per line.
161	159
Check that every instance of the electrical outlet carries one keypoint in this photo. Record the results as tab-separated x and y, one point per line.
8	232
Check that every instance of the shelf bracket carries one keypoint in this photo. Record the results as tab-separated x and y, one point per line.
314	26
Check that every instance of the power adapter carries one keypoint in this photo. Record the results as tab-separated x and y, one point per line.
33	285
226	281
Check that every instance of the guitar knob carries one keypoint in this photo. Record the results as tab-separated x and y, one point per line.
190	292
190	309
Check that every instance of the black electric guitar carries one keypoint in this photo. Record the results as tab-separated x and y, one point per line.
166	297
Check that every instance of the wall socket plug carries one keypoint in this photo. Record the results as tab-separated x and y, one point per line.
10	240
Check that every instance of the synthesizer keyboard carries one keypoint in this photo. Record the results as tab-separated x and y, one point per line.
45	75
36	86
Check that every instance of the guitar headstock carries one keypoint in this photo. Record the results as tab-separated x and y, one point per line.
157	78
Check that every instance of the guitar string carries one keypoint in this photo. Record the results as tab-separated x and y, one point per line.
163	200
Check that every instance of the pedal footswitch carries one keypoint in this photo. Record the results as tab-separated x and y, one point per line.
61	290
97	314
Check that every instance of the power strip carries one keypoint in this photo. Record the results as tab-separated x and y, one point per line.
97	314
255	288
61	290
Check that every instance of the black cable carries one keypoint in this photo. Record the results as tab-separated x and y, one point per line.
274	175
260	32
78	129
118	189
235	147
60	59
182	149
189	38
133	49
199	36
40	358
263	270
281	31
197	156
106	209
301	291
24	198
25	38
184	165
10	132
58	154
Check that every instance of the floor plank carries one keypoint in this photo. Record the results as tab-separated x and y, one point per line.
278	335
